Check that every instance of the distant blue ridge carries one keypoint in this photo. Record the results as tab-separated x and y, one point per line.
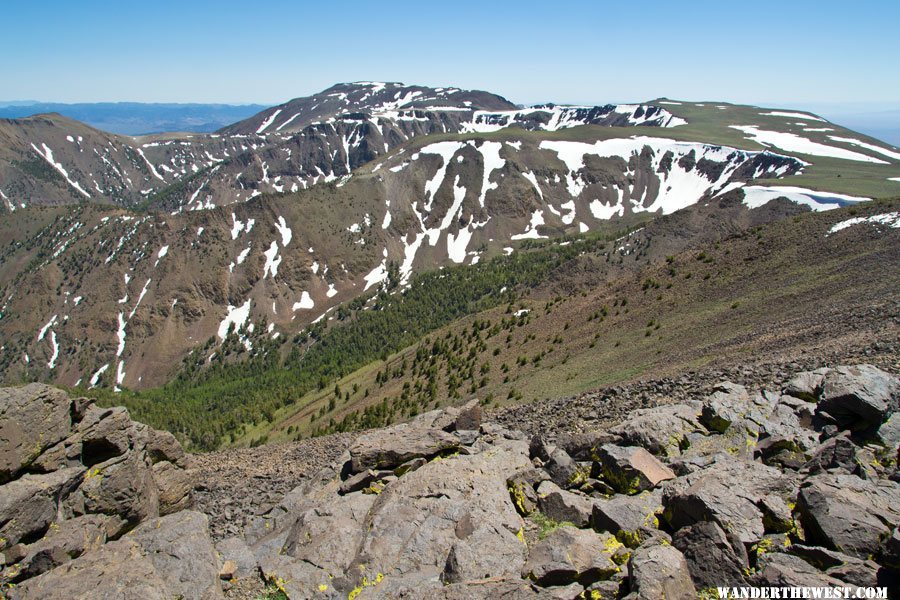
137	118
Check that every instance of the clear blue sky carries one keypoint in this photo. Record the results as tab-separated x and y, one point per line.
778	53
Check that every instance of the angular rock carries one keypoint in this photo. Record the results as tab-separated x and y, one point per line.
776	569
389	448
711	558
564	506
329	535
64	541
564	471
807	385
162	446
358	481
628	517
727	405
837	452
661	430
582	446
483	554
469	417
174	484
521	488
660	571
29	505
727	491
848	514
170	557
862	573
32	419
568	555
413	524
540	449
491	589
122	487
631	469
859	397
235	549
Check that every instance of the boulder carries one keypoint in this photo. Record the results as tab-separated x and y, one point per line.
29	504
862	573
859	397
66	540
180	548
727	491
469	417
488	589
711	558
659	571
564	471
521	488
662	430
328	534
236	550
169	557
582	446
838	452
727	405
174	485
391	447
32	419
415	521
777	569
628	517
485	553
564	506
631	469
848	514
570	555
121	486
806	385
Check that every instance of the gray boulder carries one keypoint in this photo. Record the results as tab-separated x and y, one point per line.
728	491
563	470
777	569
659	571
848	514
631	469
863	573
236	550
806	385
170	557
662	430
568	555
629	518
32	419
859	397
391	447
28	505
711	557
564	506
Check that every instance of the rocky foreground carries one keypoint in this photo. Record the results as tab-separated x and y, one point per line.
741	486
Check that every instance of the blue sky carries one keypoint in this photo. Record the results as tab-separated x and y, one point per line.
786	53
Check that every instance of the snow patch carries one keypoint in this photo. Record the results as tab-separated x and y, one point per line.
891	220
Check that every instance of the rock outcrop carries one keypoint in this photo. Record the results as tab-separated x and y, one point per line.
92	504
794	487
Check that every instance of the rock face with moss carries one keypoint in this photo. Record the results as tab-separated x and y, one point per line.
79	485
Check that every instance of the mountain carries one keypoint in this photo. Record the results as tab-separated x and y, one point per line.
129	263
137	118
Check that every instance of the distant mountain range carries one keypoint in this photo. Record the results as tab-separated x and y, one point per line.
131	262
137	118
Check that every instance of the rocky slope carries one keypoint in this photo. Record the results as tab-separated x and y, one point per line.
712	483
